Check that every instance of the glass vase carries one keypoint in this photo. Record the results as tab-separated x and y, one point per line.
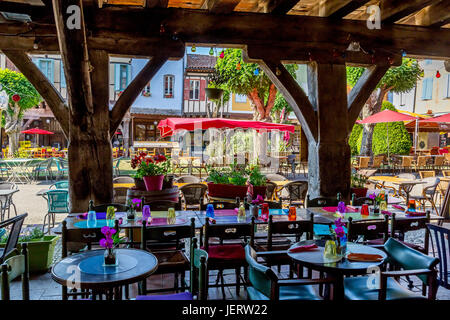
110	257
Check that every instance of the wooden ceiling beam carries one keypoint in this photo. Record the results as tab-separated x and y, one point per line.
239	29
336	9
436	15
279	7
394	10
220	6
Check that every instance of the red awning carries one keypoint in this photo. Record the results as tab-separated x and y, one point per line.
439	119
386	116
169	125
37	131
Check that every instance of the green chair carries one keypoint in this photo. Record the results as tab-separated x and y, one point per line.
43	166
265	285
116	165
400	256
60	185
13	267
57	202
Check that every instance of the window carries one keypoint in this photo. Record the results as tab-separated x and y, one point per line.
194	89
402	99
146	91
427	88
240	98
168	86
145	132
46	67
447	93
122	76
428	61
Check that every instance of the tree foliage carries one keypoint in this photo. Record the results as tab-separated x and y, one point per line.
399	79
15	83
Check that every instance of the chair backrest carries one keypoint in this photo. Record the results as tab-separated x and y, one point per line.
58	201
118	206
60	185
270	189
15	226
167	233
162	205
439	160
188	179
321	202
364	162
199	271
401	226
368	229
88	236
120	194
12	268
292	228
440	242
297	190
406	161
407	176
194	193
422	160
229	231
446	173
363	200
275	177
408	258
261	277
123	179
377	161
427	174
222	205
274	204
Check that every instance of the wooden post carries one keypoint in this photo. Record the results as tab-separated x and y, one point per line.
329	155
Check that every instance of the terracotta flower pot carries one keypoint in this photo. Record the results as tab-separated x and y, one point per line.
153	183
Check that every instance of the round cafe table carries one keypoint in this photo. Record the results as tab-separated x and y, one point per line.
339	269
86	271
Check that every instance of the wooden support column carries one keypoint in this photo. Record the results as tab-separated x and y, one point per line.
329	155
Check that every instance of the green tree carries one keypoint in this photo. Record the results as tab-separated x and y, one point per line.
399	79
278	107
247	78
15	83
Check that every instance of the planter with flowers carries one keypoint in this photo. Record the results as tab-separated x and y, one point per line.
257	183
227	183
152	169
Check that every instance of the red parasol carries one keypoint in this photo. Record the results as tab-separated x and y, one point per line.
37	131
386	116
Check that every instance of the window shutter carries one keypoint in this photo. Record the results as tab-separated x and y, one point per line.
186	89
63	77
430	89
448	87
424	88
128	74
117	77
202	95
50	70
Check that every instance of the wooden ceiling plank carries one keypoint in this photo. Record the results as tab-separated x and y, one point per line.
337	9
220	6
394	10
436	15
280	7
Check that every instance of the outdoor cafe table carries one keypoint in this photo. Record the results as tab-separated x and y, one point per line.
19	170
86	271
403	184
326	216
336	269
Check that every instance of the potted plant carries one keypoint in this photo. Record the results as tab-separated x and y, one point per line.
138	181
40	248
257	182
109	242
152	169
227	183
358	183
255	205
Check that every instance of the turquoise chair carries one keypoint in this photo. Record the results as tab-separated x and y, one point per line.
116	165
43	166
61	165
265	285
58	202
412	263
60	185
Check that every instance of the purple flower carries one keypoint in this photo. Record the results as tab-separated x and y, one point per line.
342	207
107	231
339	232
106	243
259	199
372	196
339	223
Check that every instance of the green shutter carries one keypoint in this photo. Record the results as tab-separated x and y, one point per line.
117	77
63	77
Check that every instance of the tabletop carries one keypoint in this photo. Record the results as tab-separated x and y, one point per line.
8	192
87	271
316	258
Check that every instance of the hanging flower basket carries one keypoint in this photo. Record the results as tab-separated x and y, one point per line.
213	93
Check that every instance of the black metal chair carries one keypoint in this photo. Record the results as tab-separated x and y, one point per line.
15	226
271	187
193	194
321	202
296	192
440	244
13	267
163	205
363	200
367	230
118	206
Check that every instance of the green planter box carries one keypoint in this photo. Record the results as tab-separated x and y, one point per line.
40	253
